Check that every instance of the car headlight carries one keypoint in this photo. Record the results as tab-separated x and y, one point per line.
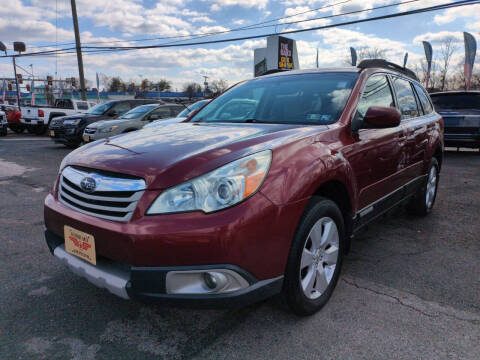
218	189
108	129
72	122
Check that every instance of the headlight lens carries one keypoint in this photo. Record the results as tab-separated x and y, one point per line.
218	189
72	122
108	129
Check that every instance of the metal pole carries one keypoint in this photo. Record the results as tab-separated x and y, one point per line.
79	50
16	81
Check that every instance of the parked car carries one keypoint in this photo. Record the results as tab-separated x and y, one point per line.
188	110
3	124
13	118
37	118
220	212
68	130
461	113
132	120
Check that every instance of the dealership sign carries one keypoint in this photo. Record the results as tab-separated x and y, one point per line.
279	55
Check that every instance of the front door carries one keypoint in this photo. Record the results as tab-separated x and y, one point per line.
376	155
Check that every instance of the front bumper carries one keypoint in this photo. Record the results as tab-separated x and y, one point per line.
148	284
462	140
65	135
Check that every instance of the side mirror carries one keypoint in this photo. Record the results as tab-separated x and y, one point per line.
112	113
382	117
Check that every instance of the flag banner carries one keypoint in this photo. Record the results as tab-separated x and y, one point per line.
470	52
428	54
4	91
405	59
61	89
317	58
353	53
32	92
98	88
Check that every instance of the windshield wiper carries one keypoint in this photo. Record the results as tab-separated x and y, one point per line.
252	120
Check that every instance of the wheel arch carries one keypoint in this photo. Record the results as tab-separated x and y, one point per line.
129	130
336	191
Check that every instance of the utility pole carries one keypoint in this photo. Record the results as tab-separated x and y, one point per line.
79	50
16	82
205	83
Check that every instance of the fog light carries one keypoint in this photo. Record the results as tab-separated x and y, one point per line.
214	280
204	281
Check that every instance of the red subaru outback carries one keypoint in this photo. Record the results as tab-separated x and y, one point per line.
257	194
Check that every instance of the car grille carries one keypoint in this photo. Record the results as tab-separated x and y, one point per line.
90	131
114	198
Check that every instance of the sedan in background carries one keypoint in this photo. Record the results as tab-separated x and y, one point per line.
132	120
181	116
461	114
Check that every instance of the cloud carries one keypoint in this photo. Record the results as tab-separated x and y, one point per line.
259	4
449	15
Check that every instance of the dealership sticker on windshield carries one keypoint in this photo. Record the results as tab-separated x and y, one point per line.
80	244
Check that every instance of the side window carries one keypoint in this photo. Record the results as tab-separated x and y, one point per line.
161	113
67	104
81	105
427	105
406	98
175	110
377	92
121	107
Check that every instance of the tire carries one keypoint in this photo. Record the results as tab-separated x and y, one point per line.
17	128
307	288
40	130
30	129
3	131
422	202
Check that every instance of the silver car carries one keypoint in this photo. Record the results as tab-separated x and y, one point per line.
181	116
132	120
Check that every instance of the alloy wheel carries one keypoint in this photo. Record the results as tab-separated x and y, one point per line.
319	258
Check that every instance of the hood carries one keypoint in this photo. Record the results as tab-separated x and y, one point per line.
105	123
167	155
164	122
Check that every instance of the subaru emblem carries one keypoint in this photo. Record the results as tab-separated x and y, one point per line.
88	184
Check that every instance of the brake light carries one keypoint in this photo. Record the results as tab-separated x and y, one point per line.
40	113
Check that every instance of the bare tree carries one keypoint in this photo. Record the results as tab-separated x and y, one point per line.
163	85
367	53
191	89
218	86
446	51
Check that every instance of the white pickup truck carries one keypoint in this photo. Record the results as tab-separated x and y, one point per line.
37	118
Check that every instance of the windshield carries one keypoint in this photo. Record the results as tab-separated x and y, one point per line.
310	99
100	109
191	108
138	112
456	101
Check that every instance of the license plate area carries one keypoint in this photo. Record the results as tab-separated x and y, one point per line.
86	138
52	133
80	244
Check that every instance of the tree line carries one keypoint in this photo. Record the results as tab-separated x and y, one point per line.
116	84
445	73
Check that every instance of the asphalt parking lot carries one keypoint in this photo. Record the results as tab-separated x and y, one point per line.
410	287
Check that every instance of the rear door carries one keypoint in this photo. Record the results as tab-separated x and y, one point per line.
415	125
376	155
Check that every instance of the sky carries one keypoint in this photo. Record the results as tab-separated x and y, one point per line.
47	24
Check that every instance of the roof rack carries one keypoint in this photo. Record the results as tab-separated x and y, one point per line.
380	63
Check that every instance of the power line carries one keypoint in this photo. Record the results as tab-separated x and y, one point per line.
91	49
352	22
247	27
